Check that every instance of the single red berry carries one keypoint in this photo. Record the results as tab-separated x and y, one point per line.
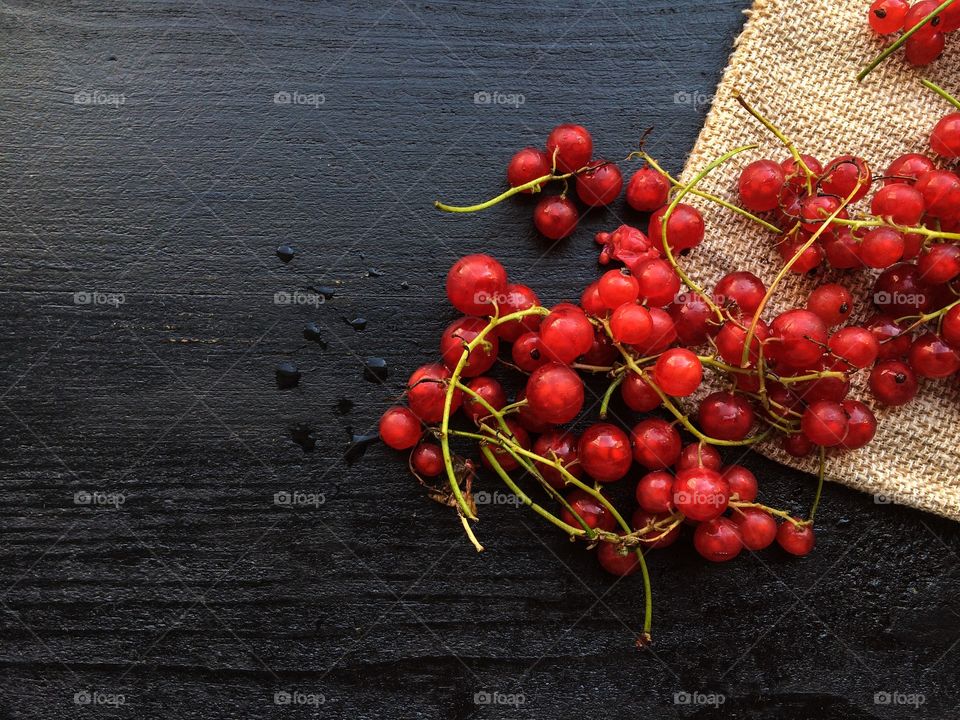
515	298
797	338
527	352
600	185
931	357
526	166
940	264
757	528
803	258
555	393
815	209
917	13
861	424
732	339
647	190
663	333
725	416
797	445
826	388
901	203
630	324
617	560
950	18
922	51
555	217
602	353
658	282
655	538
528	418
519	436
742	482
900	291
950	327
692	319
907	168
461	332
887	16
427	460
857	346
685	228
617	287
893	382
740	289
561	446
400	428
474	283
678	372
656	443
892	340
941	193
718	540
589	509
637	393
604	452
760	184
655	492
845	175
832	303
572	145
566	333
700	494
796	539
796	177
842	250
825	423
426	392
490	390
881	247
591	302
698	454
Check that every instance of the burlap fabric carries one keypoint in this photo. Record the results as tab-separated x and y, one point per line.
797	61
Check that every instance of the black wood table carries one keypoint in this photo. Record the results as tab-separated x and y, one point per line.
154	157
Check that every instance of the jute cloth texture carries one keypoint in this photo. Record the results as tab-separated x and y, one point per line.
797	62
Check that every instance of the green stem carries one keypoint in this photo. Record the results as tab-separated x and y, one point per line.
892	48
941	92
533	185
605	403
906	229
820	474
787	142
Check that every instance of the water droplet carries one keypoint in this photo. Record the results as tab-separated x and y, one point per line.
328	291
404	285
313	333
375	369
358	445
288	376
374	272
285	253
358	323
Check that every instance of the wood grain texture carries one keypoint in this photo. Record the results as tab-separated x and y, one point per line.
199	597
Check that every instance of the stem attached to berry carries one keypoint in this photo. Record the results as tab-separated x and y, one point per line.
941	92
906	229
820	473
787	142
893	47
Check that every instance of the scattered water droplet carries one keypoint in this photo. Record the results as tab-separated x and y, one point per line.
328	291
375	369
313	333
302	435
285	253
404	285
358	323
358	445
374	272
288	376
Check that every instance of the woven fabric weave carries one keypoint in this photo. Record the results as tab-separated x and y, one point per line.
797	62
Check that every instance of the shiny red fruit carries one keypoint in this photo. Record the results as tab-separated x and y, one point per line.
474	283
604	452
554	393
572	145
555	217
700	493
462	332
718	540
526	166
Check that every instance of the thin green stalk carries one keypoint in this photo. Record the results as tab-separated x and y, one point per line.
820	474
941	92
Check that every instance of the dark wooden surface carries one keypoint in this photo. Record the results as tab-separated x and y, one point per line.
199	597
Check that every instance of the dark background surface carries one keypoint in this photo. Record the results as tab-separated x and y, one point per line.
199	597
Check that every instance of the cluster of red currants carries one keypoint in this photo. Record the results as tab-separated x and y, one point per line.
927	41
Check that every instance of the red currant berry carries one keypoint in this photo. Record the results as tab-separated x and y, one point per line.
900	291
654	537
742	482
941	193
861	424
887	16
906	169
529	419
742	290
718	540
901	203
400	428
658	282
922	51
685	228
881	247
627	245
426	392
845	175
427	460
474	283
604	452
616	560
698	454
602	353
856	346
647	190
760	185
461	332
931	357
796	539
725	416
526	166
555	217
797	338
589	509
757	528
692	319
637	393
950	18
591	302
797	445
678	372
802	259
519	436
940	264
573	146
893	341
656	443
796	178
827	388
815	209
631	324
893	382
561	446
950	327
843	250
825	423
916	14
555	393
528	353
732	339
566	333
663	333
831	303
517	297
490	390
600	185
700	494
655	492
617	287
